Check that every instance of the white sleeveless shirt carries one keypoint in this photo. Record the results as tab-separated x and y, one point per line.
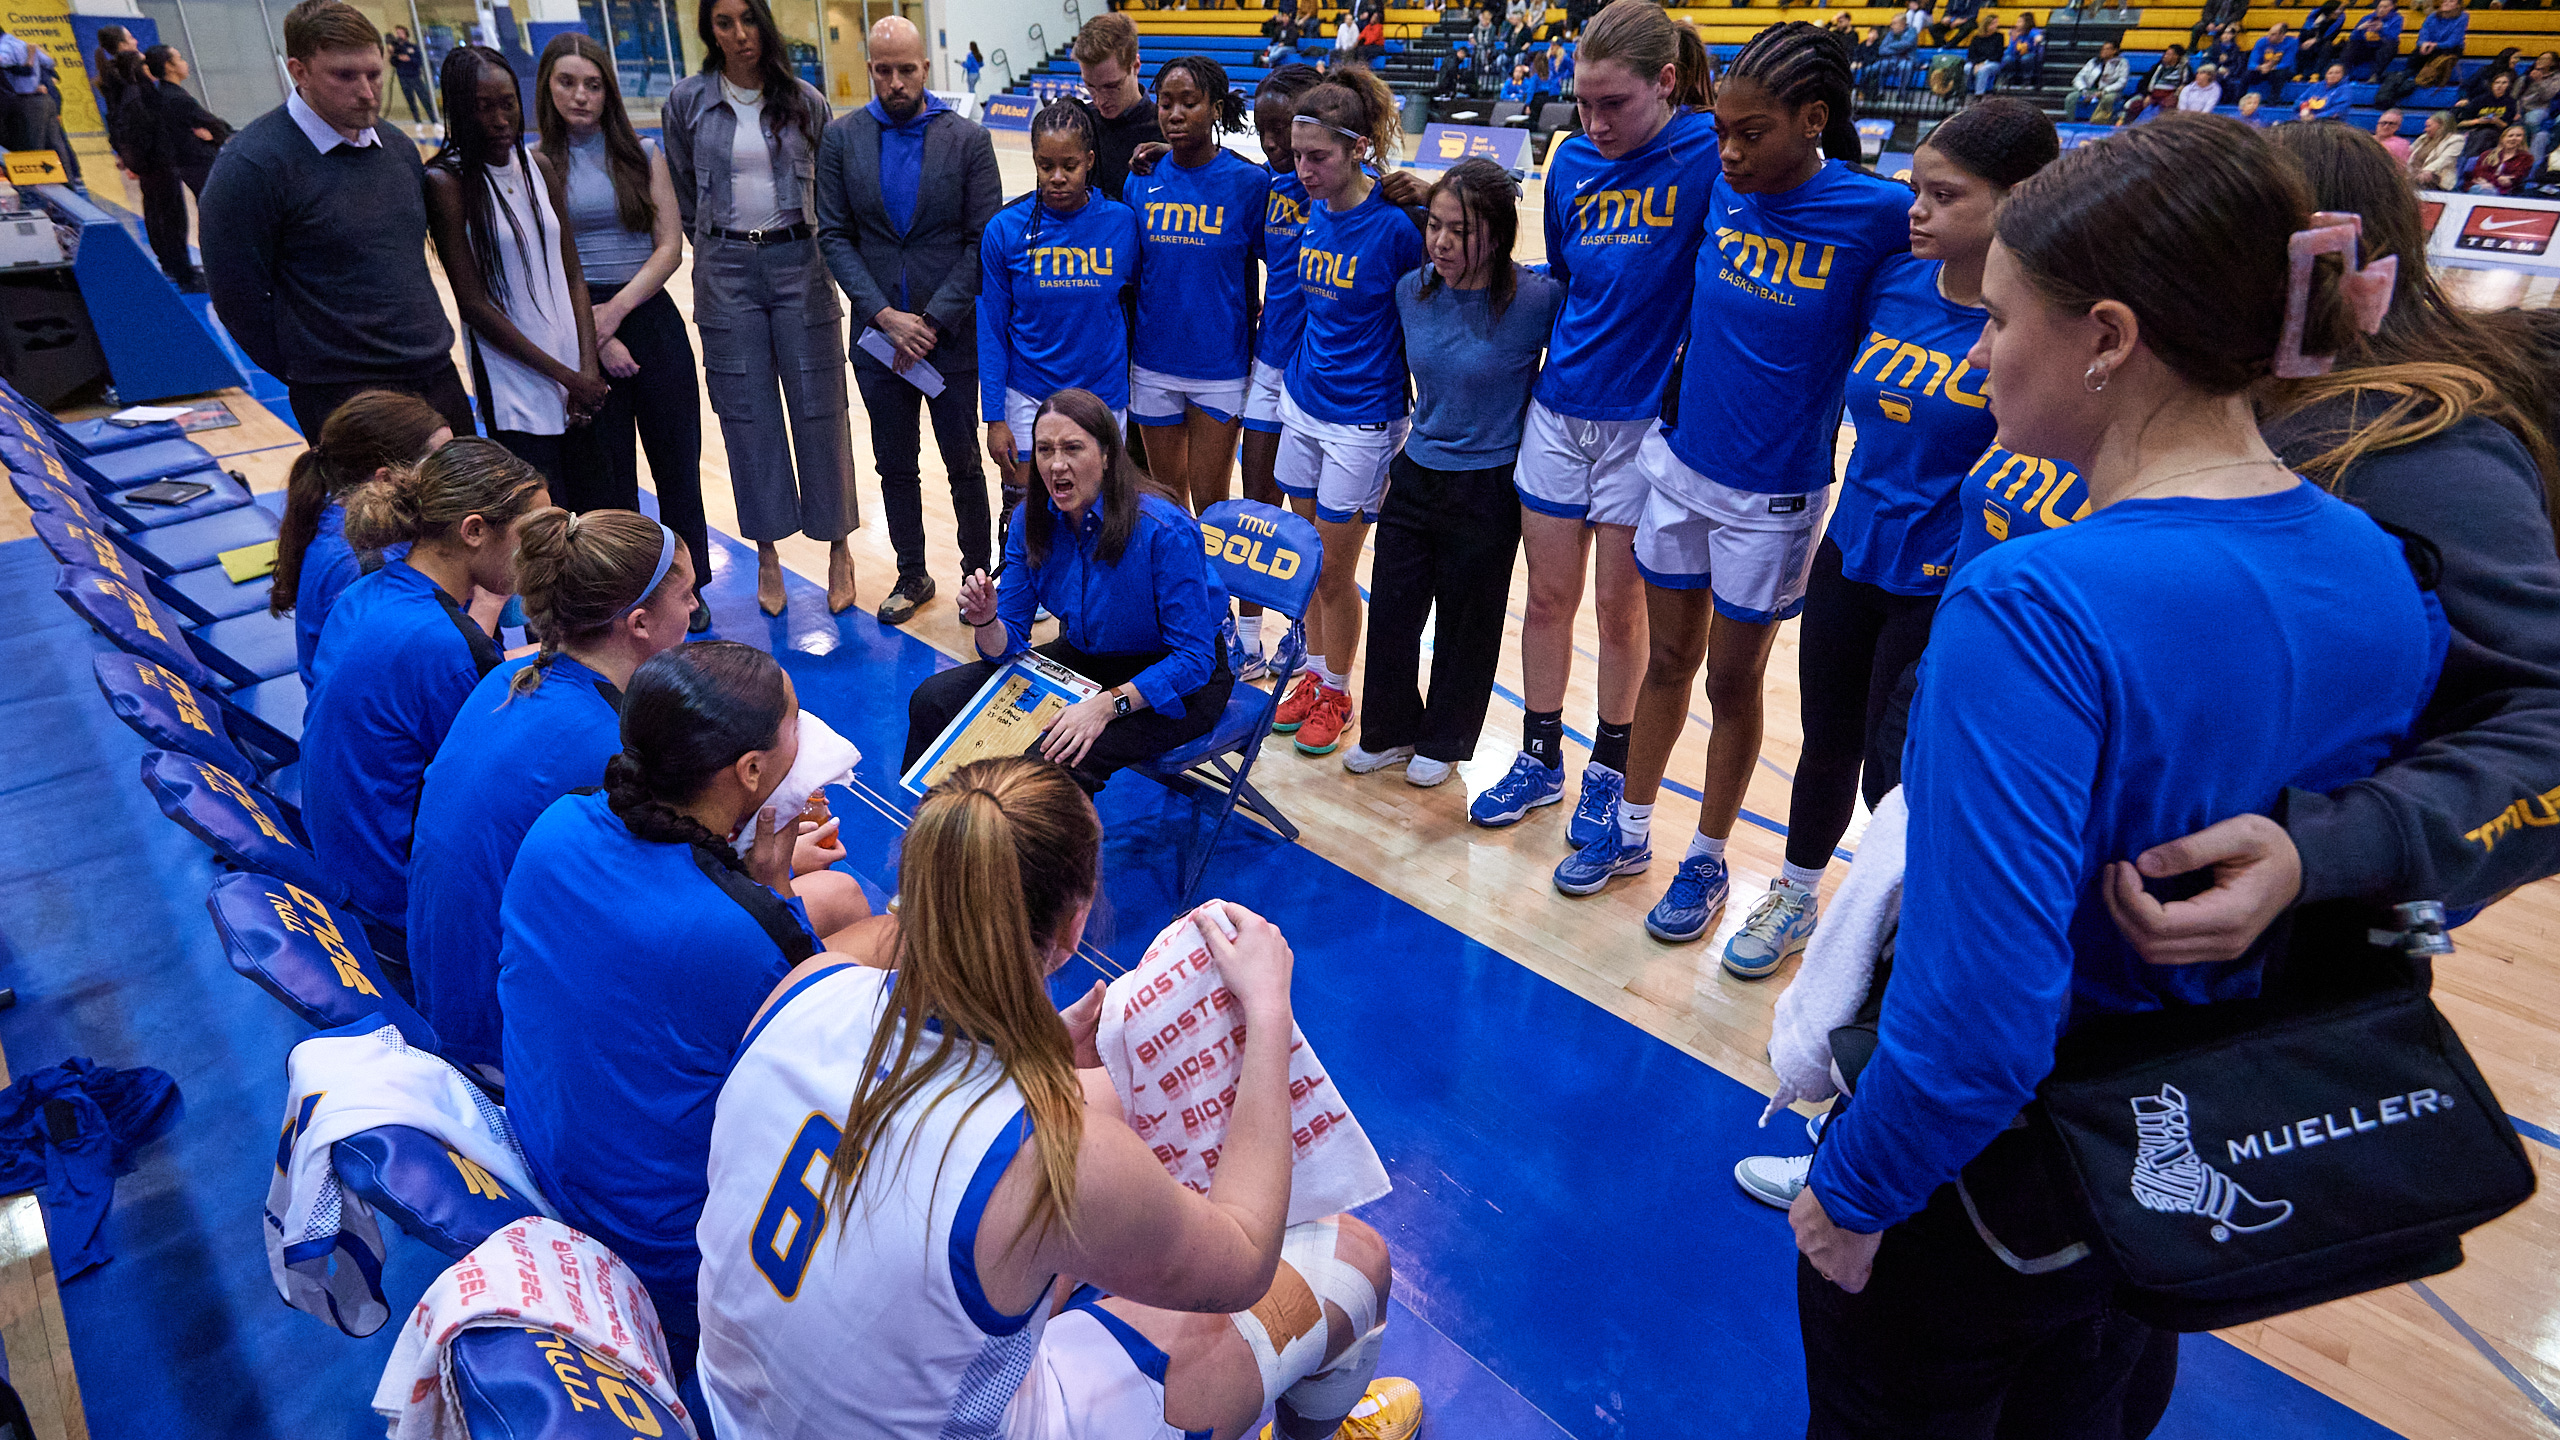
534	291
880	1332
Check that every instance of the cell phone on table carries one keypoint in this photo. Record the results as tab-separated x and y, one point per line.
169	492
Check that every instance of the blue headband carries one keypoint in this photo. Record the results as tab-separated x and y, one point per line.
666	561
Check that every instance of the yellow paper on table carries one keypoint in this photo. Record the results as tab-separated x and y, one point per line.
249	561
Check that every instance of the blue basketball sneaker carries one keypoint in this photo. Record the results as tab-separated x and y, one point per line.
1588	870
1691	906
1779	927
1527	785
1597	810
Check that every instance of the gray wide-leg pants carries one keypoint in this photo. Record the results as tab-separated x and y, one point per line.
773	340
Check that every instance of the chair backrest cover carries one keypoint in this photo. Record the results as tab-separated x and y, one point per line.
46	495
168	712
240	824
1263	553
437	1196
517	1382
85	547
311	958
135	619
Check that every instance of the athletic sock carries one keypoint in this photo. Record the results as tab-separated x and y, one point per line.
1806	880
1609	746
1542	737
1707	845
1249	630
1635	825
1331	679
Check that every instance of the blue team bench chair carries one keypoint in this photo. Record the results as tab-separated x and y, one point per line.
244	826
232	654
519	1383
169	713
1270	557
313	960
200	596
85	437
31	457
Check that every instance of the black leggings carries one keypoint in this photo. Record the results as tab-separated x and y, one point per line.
164	219
1855	644
1140	735
659	405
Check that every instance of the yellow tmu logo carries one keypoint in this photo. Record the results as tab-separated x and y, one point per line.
1327	269
1772	261
1174	217
1915	361
1066	260
1651	206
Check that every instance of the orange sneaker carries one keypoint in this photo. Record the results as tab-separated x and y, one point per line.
1392	1410
1295	705
1321	732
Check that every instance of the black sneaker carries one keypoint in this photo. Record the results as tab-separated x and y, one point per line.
911	591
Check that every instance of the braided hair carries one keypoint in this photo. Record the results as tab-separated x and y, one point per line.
1066	117
1225	105
1799	63
686	716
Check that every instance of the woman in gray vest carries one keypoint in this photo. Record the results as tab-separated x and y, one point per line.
742	145
622	214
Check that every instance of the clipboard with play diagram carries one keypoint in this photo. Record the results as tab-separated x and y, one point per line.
1007	714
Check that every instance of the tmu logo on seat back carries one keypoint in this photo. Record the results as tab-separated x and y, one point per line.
2507	231
1246	546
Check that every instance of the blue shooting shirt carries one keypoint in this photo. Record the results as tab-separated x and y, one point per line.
1158	597
2009	495
627	977
1922	421
1284	310
507	757
1199	234
902	164
395	665
329	566
1623	237
1472	371
1049	316
1349	369
1776	318
2088	693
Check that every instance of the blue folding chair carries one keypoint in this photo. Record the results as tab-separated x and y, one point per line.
313	960
519	1383
1271	558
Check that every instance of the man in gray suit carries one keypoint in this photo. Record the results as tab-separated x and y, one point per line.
905	186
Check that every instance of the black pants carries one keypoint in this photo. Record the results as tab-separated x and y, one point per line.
315	402
1446	542
659	408
546	453
164	219
897	441
1948	1343
1856	642
1139	735
415	90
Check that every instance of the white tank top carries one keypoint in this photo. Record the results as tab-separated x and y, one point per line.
879	1332
534	291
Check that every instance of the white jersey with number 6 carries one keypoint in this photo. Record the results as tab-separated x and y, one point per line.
880	1332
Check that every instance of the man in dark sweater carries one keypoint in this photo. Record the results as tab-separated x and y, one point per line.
1106	51
314	230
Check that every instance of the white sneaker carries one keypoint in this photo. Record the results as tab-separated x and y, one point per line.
1425	772
1773	1180
1360	759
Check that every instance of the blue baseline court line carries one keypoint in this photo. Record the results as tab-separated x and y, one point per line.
2532	1392
2531	1131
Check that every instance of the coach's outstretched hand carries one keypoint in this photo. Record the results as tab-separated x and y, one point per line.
977	600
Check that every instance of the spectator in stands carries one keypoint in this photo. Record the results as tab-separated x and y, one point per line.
2502	170
2445	29
2503	63
2201	94
141	146
2225	56
1956	26
196	135
367	438
2100	84
2386	128
2320	31
23	103
1120	566
2485	114
2368	52
1488	31
2271	61
1900	40
2540	86
1915	18
1847	25
314	230
2435	162
2250	113
1346	40
2159	91
2393	23
1982	56
2327	99
972	63
2218	16
2022	62
410	65
906	186
113	40
1106	52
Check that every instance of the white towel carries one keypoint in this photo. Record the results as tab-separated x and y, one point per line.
340	1082
826	758
535	1273
1172	1038
1840	962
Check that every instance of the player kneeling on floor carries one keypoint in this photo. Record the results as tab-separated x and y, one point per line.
961	1138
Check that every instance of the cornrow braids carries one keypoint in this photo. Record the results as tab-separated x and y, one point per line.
1211	77
1066	117
1799	63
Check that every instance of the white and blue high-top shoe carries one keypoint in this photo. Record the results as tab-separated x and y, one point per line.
1779	927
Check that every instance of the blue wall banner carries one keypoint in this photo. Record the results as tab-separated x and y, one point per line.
1008	112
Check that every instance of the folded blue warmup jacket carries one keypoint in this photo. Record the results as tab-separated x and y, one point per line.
67	1131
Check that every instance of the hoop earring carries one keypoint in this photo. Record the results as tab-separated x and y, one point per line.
2095	378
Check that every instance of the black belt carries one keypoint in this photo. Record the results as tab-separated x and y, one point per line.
763	237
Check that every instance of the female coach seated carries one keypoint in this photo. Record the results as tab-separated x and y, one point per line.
907	1161
1137	607
636	945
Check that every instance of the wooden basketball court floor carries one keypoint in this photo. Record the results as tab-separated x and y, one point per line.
2474	1353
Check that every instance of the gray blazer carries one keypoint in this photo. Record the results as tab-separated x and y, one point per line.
936	260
